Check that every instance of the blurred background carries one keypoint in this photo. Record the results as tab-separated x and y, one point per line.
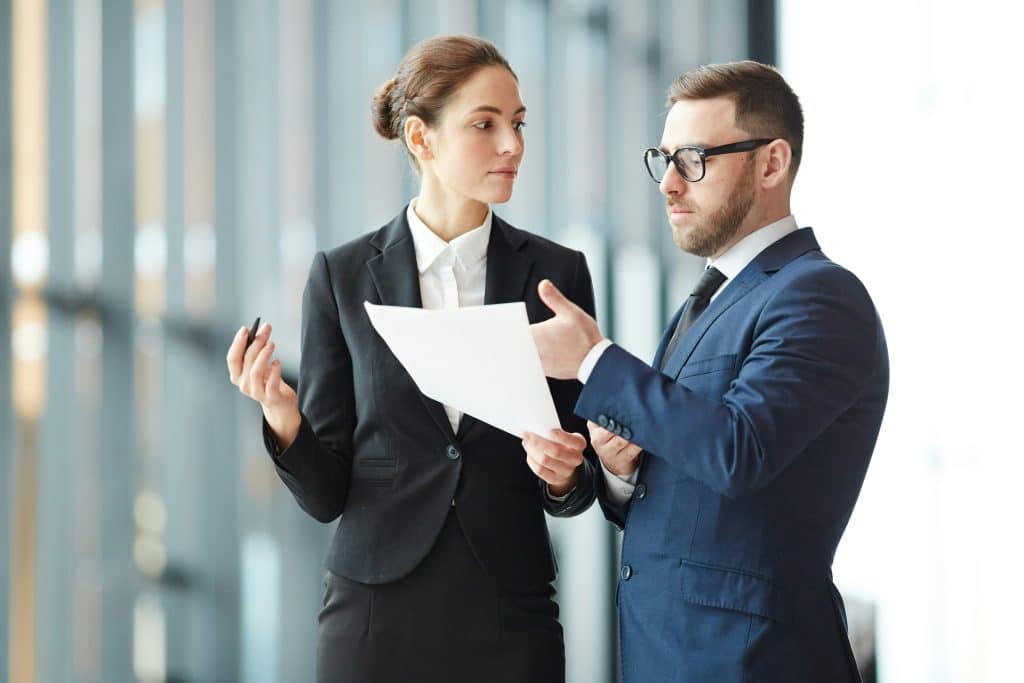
168	168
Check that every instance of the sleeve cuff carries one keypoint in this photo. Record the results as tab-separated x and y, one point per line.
590	360
558	499
620	488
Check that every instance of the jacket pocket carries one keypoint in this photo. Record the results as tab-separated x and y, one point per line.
708	365
733	589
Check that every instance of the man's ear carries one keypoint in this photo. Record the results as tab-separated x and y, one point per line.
777	160
416	138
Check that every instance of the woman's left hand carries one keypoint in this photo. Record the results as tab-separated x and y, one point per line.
555	459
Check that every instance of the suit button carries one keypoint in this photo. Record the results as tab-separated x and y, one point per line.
603	421
641	491
613	426
626	572
453	453
626	433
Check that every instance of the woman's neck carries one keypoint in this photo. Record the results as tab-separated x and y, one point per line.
447	216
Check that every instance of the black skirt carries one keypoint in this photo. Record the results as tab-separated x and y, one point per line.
446	621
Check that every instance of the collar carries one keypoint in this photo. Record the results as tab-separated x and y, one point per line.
744	251
469	248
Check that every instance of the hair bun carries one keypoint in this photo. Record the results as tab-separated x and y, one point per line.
384	115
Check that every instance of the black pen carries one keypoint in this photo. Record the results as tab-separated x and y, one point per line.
252	332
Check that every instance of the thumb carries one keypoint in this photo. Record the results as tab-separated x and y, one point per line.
554	299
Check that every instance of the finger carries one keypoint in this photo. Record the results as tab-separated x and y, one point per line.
617	443
548	458
259	371
599	436
554	451
258	343
273	384
631	451
537	469
571	440
555	300
550	470
235	351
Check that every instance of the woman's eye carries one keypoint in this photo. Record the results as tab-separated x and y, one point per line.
482	125
519	125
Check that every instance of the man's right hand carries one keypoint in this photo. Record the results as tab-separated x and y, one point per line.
258	375
620	457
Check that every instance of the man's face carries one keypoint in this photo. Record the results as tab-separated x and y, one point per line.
707	215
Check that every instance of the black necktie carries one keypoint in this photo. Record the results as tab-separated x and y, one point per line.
699	299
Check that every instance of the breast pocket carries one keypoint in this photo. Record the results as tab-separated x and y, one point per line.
709	377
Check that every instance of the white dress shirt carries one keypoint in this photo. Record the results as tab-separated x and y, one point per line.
739	255
452	274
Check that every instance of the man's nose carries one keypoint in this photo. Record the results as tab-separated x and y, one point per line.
672	184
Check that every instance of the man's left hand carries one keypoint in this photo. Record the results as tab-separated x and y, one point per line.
555	459
564	340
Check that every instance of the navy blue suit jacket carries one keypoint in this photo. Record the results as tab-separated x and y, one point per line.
756	436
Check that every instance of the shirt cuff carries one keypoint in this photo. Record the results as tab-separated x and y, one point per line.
620	487
557	499
590	360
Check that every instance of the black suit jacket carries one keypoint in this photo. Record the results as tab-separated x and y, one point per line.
376	452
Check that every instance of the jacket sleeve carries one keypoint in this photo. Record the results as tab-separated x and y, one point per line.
317	466
565	394
816	346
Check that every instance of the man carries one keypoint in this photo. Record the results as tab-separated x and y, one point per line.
733	461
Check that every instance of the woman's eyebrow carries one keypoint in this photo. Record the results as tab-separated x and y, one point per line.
496	110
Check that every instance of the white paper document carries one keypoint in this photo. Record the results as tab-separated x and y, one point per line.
499	381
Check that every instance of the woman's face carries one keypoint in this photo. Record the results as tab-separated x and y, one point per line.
477	145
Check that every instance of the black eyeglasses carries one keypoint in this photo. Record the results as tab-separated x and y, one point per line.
689	161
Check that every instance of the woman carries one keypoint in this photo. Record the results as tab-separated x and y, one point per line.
440	568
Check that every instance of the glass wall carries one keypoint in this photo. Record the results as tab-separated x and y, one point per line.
167	170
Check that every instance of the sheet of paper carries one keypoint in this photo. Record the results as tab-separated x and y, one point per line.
479	359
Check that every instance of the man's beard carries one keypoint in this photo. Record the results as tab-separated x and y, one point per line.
706	237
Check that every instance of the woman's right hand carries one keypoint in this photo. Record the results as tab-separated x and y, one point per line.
257	374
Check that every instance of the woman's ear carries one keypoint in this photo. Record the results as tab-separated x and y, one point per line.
777	162
416	138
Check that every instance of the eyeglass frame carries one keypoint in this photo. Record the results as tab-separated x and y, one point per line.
732	147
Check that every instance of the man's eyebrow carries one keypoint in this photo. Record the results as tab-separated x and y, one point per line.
666	150
496	110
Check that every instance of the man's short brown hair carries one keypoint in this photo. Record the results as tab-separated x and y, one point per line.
766	107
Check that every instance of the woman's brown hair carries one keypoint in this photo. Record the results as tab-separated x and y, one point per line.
429	74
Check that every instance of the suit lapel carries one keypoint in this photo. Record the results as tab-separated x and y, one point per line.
771	259
667	336
396	277
733	292
508	271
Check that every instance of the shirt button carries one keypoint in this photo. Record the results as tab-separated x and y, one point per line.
641	491
626	572
453	453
